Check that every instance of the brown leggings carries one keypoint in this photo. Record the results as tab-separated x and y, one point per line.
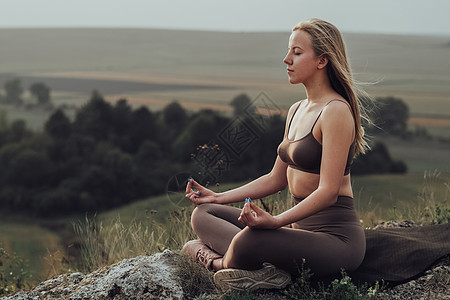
328	241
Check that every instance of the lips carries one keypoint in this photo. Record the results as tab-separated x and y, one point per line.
289	70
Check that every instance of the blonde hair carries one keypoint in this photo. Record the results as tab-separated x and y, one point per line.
327	41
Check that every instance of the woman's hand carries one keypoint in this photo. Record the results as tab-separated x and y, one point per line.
198	194
255	217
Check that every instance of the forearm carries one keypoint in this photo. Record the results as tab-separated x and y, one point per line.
315	202
256	189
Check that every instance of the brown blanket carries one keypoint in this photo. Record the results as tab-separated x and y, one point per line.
398	254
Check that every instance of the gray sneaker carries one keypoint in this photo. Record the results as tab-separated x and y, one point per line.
269	277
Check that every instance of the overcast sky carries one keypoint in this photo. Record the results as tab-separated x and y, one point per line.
382	16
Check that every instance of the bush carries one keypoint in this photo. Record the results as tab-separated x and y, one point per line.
13	273
377	161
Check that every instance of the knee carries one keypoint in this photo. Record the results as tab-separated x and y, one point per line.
247	242
199	214
244	250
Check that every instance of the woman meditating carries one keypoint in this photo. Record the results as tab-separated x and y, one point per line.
248	248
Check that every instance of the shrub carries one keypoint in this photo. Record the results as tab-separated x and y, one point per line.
13	273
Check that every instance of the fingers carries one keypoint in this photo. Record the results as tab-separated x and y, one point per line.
193	184
196	186
189	186
247	216
190	193
258	210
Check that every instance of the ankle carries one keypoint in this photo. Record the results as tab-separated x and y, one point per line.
217	264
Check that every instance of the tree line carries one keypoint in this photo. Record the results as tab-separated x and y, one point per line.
112	154
14	92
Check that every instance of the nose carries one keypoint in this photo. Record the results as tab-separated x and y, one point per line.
287	59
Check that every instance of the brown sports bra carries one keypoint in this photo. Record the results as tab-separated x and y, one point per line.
305	154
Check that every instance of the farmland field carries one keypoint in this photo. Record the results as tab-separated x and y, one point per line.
205	67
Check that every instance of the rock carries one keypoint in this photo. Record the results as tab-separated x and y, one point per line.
142	277
433	284
396	224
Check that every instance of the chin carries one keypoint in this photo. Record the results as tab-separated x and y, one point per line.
292	81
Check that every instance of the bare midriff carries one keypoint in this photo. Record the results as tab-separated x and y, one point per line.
302	184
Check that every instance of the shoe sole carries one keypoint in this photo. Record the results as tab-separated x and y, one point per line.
268	277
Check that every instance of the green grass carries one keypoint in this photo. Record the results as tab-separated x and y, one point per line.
36	245
397	197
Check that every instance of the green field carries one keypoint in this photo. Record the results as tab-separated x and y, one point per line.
33	243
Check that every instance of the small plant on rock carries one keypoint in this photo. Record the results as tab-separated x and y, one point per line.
13	273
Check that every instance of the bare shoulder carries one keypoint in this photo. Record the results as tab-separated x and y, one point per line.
337	115
338	109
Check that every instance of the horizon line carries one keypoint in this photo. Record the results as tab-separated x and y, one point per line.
83	27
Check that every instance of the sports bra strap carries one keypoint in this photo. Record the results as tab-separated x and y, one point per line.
292	117
324	108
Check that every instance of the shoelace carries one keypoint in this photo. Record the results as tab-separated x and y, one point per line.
202	256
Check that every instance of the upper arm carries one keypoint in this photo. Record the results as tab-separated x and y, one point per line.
338	129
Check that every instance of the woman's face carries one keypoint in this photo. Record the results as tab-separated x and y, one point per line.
302	63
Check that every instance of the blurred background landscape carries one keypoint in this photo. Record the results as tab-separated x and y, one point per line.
105	124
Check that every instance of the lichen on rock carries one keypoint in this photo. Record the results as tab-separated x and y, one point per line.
142	277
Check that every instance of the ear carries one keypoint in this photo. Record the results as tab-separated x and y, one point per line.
323	61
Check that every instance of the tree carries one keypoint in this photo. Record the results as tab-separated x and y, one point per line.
241	104
41	92
58	125
121	117
143	127
377	161
121	122
203	128
392	115
14	91
94	118
175	117
29	168
18	131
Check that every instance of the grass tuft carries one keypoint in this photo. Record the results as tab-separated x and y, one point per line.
106	243
429	210
197	282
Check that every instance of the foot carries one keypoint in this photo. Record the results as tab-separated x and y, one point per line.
197	250
269	277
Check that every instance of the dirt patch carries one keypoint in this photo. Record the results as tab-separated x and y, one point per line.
430	122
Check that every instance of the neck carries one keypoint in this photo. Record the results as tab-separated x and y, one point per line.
319	90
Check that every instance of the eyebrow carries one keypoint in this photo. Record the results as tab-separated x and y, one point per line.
297	47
